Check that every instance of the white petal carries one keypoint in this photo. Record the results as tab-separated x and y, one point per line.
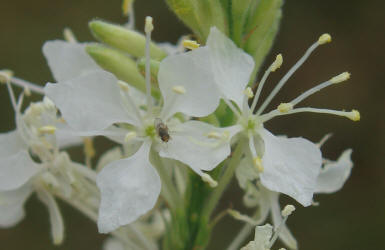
191	70
66	137
11	143
67	60
232	67
191	145
261	238
291	166
16	170
333	175
90	102
55	217
129	188
12	205
285	234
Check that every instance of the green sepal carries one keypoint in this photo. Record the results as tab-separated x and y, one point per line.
124	39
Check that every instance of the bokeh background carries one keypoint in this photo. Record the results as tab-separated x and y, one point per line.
352	219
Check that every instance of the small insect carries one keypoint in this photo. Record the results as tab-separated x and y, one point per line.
161	130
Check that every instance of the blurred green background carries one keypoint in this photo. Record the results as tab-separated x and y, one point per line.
352	219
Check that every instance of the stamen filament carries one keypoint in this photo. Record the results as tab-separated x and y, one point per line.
24	84
287	76
285	213
148	29
232	107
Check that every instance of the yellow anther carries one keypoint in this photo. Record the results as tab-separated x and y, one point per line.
325	38
258	164
129	136
207	178
285	107
69	35
47	130
27	91
5	75
277	63
179	89
340	78
249	92
214	135
354	115
89	149
123	86
127	6
190	44
148	27
288	210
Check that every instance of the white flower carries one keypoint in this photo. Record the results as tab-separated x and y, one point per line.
94	102
286	165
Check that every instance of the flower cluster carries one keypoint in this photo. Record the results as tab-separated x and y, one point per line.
164	124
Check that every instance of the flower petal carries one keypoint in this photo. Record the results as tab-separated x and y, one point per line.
67	60
285	235
11	143
334	175
232	67
90	102
191	145
191	70
291	166
113	244
12	205
129	188
16	170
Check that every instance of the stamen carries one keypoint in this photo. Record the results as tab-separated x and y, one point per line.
337	79
27	91
257	161
249	93
258	164
214	135
148	29
69	35
47	130
324	139
129	136
128	100
282	82
324	38
179	89
208	179
232	107
89	149
288	210
274	66
5	77
8	74
123	85
285	107
190	44
128	10
238	216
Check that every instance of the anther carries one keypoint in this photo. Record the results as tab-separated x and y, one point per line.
129	136
69	35
214	135
190	44
285	107
47	130
5	75
325	38
148	27
208	179
340	78
354	115
277	63
27	91
179	89
123	86
258	164
249	93
288	210
89	149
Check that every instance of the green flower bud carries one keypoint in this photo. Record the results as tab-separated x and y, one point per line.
124	39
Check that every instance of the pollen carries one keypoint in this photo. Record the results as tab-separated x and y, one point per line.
258	164
208	179
325	38
148	27
285	107
277	63
249	93
340	78
288	210
179	89
354	115
123	86
5	75
190	44
214	135
129	136
47	130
